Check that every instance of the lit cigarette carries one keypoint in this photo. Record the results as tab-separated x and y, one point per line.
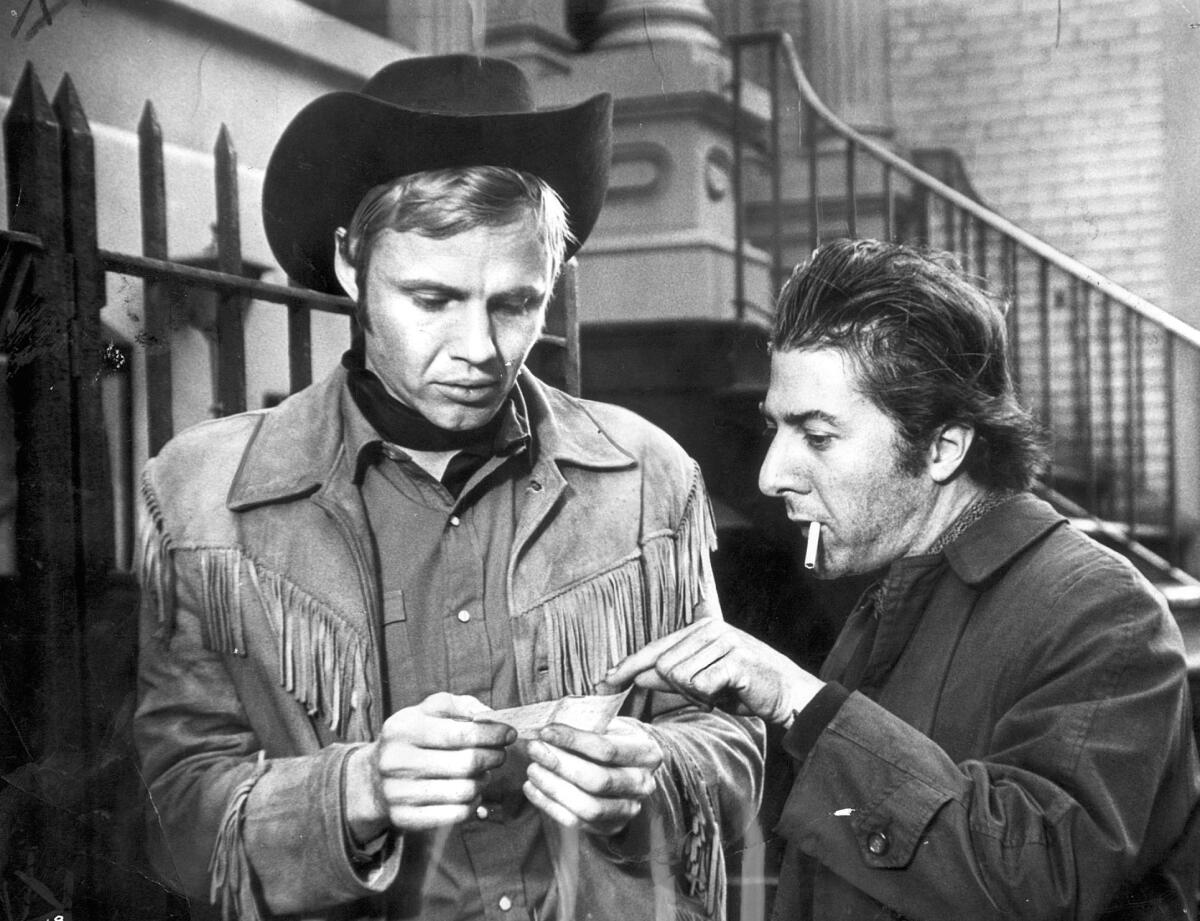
810	550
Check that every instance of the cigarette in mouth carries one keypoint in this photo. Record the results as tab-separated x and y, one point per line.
810	549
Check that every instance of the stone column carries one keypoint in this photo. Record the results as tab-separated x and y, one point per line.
438	26
531	32
665	246
638	22
848	61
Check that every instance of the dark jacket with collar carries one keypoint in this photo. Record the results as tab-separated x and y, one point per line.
260	669
1021	745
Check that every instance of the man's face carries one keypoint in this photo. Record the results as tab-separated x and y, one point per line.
452	320
833	459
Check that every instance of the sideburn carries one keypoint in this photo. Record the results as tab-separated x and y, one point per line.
360	325
361	317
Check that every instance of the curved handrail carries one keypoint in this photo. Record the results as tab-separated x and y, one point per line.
1022	237
1098	402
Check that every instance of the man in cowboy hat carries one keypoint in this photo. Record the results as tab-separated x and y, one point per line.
339	592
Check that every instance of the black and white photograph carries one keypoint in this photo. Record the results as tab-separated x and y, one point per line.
600	460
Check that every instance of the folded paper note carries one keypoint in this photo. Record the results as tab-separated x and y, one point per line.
592	713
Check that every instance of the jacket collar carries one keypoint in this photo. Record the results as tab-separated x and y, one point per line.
567	432
296	446
901	598
994	541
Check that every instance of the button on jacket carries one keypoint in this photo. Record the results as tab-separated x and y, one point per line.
1020	745
260	667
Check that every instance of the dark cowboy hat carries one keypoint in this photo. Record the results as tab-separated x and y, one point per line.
420	114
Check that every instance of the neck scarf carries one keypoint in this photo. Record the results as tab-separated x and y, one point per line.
404	426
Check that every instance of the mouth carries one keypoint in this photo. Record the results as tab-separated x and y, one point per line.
470	391
803	519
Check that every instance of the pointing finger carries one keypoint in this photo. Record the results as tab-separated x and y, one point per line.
623	674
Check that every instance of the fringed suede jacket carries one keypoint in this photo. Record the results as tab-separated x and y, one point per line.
260	672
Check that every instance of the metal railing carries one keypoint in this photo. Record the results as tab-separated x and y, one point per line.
1099	365
61	233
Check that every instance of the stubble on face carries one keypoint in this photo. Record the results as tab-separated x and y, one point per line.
878	517
835	459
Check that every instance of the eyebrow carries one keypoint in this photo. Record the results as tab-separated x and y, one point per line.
798	420
412	285
450	292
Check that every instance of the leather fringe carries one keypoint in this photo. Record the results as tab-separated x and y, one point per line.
221	583
595	624
322	661
683	565
675	562
703	859
704	867
229	869
156	565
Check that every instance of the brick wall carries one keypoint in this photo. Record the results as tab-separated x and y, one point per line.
1060	118
1061	121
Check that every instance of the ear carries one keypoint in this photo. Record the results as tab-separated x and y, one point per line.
346	275
949	450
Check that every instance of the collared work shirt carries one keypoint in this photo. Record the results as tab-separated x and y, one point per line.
442	562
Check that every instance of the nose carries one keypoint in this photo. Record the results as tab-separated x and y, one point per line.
780	471
475	341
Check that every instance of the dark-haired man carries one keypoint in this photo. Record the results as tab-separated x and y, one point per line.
1002	729
340	592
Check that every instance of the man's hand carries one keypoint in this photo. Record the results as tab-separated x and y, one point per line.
426	769
593	781
713	663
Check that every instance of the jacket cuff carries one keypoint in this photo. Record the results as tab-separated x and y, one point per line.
296	837
863	801
638	843
374	867
371	857
810	722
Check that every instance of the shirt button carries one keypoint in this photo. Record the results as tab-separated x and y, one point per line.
481	812
505	903
455	521
464	616
878	843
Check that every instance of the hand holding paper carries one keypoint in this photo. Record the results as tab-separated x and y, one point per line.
426	769
595	781
588	768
